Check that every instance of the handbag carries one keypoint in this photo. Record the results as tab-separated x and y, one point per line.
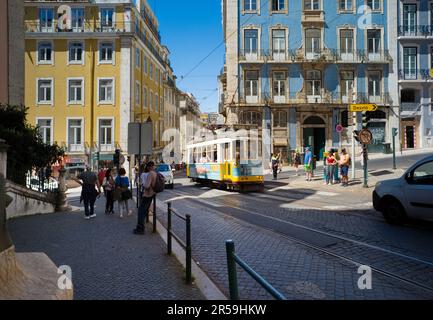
126	194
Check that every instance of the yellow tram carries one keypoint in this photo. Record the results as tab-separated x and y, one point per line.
229	163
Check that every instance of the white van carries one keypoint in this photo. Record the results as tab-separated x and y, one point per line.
408	196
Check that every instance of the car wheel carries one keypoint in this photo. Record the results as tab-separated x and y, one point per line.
394	212
172	186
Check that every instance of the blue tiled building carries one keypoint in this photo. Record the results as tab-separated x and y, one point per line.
294	66
413	83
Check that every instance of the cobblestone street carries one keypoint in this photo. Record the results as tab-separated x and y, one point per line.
107	260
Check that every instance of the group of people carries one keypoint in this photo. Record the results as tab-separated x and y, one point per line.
118	189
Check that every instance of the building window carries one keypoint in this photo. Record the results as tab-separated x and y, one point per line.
77	20
251	117
106	52
107	18
156	103
45	52
137	58
45	130
347	79
151	70
251	40
76	52
346	5
145	102
311	4
137	93
346	42
46	20
278	5
373	42
313	40
250	5
150	101
278	42
45	91
75	134
252	83
106	90
409	19
106	133
145	66
279	84
375	5
280	119
75	91
314	83
156	75
410	62
374	86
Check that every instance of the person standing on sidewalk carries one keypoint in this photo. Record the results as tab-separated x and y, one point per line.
274	163
308	164
344	165
109	186
297	161
146	197
122	193
331	163
91	189
325	168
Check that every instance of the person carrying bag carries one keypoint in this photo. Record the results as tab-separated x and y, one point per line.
123	193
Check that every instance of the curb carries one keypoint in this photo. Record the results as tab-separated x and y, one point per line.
201	279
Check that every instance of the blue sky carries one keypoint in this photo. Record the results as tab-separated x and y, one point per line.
191	29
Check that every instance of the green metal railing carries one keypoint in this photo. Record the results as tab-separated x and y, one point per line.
186	245
232	259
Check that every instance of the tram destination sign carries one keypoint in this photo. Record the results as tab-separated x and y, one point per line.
362	107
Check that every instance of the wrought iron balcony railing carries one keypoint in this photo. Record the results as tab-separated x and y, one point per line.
415	31
415	74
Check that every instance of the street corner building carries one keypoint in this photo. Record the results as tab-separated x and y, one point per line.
91	68
294	67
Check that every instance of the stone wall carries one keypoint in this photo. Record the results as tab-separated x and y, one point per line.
27	202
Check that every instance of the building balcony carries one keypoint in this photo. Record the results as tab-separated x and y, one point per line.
418	31
410	106
76	148
258	56
413	75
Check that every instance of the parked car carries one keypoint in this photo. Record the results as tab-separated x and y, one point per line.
167	172
408	196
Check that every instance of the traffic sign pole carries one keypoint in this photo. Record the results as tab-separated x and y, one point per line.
364	153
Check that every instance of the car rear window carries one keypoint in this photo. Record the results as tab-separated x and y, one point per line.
163	168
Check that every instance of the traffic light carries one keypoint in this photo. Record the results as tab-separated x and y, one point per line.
96	156
364	119
394	132
345	119
116	160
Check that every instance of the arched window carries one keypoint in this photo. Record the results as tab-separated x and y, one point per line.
280	119
314	120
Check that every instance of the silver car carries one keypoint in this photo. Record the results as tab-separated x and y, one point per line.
167	172
408	196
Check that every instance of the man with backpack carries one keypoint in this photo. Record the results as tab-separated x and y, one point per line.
151	186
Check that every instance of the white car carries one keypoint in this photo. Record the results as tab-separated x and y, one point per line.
167	172
408	196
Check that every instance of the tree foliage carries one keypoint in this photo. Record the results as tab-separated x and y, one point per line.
26	147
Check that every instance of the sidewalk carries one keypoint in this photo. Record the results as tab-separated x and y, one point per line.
107	260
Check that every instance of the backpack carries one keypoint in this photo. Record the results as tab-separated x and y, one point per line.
159	183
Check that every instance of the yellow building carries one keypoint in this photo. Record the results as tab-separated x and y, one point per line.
92	67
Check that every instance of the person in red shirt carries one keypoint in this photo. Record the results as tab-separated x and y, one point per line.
101	175
331	162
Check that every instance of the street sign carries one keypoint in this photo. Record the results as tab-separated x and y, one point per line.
365	136
362	107
339	128
146	138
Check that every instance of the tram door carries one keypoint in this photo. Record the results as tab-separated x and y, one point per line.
226	161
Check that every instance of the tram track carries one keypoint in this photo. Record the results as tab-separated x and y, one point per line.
335	246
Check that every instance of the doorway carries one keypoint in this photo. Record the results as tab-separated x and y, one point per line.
316	140
410	137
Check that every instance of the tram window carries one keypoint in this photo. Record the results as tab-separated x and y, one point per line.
226	152
214	153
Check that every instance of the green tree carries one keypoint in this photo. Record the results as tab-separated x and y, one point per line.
26	147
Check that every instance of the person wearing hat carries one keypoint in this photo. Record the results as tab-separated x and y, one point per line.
344	163
308	164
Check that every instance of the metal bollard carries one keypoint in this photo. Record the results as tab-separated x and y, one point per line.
169	229
231	266
154	214
188	249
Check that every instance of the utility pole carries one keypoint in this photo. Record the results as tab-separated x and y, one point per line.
394	134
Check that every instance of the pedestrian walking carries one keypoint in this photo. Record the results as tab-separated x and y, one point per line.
109	185
308	164
297	161
147	195
101	175
336	171
331	162
91	189
274	164
344	167
122	193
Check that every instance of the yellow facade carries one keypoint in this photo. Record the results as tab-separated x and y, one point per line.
121	78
